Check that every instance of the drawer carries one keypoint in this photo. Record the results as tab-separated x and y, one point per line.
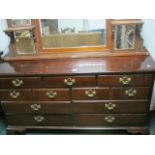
52	94
16	95
90	93
92	120
37	107
125	80
76	81
103	107
39	120
20	82
130	93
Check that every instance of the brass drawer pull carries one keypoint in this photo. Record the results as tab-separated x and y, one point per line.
69	81
90	93
130	92
14	94
35	107
109	119
51	94
110	106
125	80
39	118
17	82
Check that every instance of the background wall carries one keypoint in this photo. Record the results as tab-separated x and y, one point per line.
148	34
4	40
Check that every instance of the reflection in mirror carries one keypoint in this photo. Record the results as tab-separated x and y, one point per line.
65	33
21	22
24	42
124	36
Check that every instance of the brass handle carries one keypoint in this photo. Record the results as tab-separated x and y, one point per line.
39	118
35	107
90	93
69	81
51	94
17	82
110	106
109	119
125	80
14	94
130	92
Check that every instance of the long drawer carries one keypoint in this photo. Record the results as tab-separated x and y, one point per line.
92	120
110	106
58	107
125	80
39	120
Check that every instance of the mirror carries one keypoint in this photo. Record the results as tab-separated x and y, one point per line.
24	42
124	36
68	33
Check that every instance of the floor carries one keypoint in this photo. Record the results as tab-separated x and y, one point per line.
85	132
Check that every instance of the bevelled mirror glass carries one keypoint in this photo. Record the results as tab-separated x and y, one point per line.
24	42
66	33
124	36
21	22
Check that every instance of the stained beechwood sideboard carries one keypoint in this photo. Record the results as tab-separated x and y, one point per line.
83	93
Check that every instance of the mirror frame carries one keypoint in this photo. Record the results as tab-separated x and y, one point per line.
77	52
73	49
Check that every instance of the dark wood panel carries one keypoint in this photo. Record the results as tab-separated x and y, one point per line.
37	107
47	120
56	94
102	107
16	95
76	81
1	111
118	120
20	82
130	93
128	64
95	93
125	80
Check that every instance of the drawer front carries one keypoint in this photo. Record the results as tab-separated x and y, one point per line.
110	120
103	107
52	94
37	107
130	93
17	82
125	80
39	120
76	81
90	93
16	95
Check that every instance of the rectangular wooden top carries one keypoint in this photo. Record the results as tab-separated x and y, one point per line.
107	65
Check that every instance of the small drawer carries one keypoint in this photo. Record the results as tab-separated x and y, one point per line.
130	93
125	80
37	107
39	120
103	107
69	81
92	120
52	94
16	95
90	93
20	82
